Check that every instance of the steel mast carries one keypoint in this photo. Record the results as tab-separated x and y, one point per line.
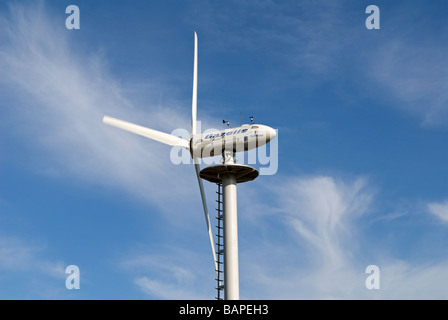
229	174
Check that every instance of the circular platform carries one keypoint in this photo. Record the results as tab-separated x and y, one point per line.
242	172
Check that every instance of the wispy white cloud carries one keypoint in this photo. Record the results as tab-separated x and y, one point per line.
439	209
15	255
176	273
18	255
163	290
404	280
27	265
307	246
63	97
416	76
322	210
325	255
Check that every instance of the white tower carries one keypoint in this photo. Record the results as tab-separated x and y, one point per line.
229	174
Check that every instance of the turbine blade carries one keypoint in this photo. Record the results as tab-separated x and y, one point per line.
194	103
207	217
146	132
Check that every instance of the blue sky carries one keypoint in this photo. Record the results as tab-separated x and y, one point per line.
362	147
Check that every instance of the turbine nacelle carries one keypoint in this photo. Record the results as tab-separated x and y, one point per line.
243	138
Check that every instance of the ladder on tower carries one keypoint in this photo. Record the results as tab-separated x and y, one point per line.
220	243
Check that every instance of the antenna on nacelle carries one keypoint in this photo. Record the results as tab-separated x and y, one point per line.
226	122
251	119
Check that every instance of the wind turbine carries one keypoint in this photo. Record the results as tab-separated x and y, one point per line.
200	145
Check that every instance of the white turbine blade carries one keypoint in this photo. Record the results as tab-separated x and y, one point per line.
194	104
207	217
146	132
